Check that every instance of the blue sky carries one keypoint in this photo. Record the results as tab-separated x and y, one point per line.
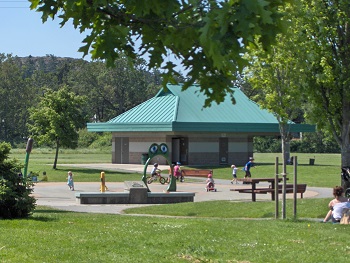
22	33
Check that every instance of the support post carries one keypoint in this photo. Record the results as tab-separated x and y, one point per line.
276	189
284	175
295	183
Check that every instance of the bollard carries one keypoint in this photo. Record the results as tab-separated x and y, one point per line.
103	182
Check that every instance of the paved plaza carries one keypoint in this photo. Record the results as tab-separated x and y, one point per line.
58	195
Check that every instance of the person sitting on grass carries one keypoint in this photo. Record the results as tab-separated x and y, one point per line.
338	193
338	210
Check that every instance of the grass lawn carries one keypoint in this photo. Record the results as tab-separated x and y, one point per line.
325	172
215	231
57	236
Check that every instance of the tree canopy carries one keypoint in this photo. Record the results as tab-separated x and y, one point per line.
57	119
324	37
208	37
277	76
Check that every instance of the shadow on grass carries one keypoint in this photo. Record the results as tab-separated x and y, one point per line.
257	165
192	214
41	218
269	215
50	211
315	165
89	171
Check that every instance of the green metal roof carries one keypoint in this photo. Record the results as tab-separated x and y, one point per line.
177	110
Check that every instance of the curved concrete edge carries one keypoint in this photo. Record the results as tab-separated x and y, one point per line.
59	196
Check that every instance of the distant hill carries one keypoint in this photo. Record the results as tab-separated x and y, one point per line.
48	63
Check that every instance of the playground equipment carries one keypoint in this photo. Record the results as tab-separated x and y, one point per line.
138	192
162	150
26	161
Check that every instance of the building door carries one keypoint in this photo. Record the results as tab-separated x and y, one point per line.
223	150
180	150
175	150
184	150
125	150
121	150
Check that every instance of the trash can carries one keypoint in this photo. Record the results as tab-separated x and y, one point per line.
144	158
312	161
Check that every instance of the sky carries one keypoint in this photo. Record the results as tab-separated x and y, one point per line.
22	33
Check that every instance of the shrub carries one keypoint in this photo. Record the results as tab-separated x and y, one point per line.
86	138
103	141
15	199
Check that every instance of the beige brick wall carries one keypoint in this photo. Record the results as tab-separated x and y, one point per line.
202	148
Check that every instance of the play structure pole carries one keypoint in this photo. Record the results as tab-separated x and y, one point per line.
26	161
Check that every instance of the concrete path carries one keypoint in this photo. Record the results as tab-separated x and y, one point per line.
59	196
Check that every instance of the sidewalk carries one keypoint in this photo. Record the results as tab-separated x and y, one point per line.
59	196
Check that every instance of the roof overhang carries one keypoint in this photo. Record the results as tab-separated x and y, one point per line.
197	127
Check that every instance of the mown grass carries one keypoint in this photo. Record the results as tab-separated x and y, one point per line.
215	231
325	172
306	208
57	236
41	160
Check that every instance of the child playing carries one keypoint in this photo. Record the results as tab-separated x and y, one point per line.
234	174
247	167
210	180
177	172
155	169
70	181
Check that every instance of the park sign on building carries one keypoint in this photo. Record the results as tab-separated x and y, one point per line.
220	134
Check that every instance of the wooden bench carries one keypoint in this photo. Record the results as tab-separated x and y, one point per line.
301	189
195	173
249	190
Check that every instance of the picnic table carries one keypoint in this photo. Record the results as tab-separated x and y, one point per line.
254	190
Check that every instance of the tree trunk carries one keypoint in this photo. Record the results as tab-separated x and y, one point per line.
345	139
284	131
56	155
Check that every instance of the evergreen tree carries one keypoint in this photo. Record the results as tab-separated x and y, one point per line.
15	199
